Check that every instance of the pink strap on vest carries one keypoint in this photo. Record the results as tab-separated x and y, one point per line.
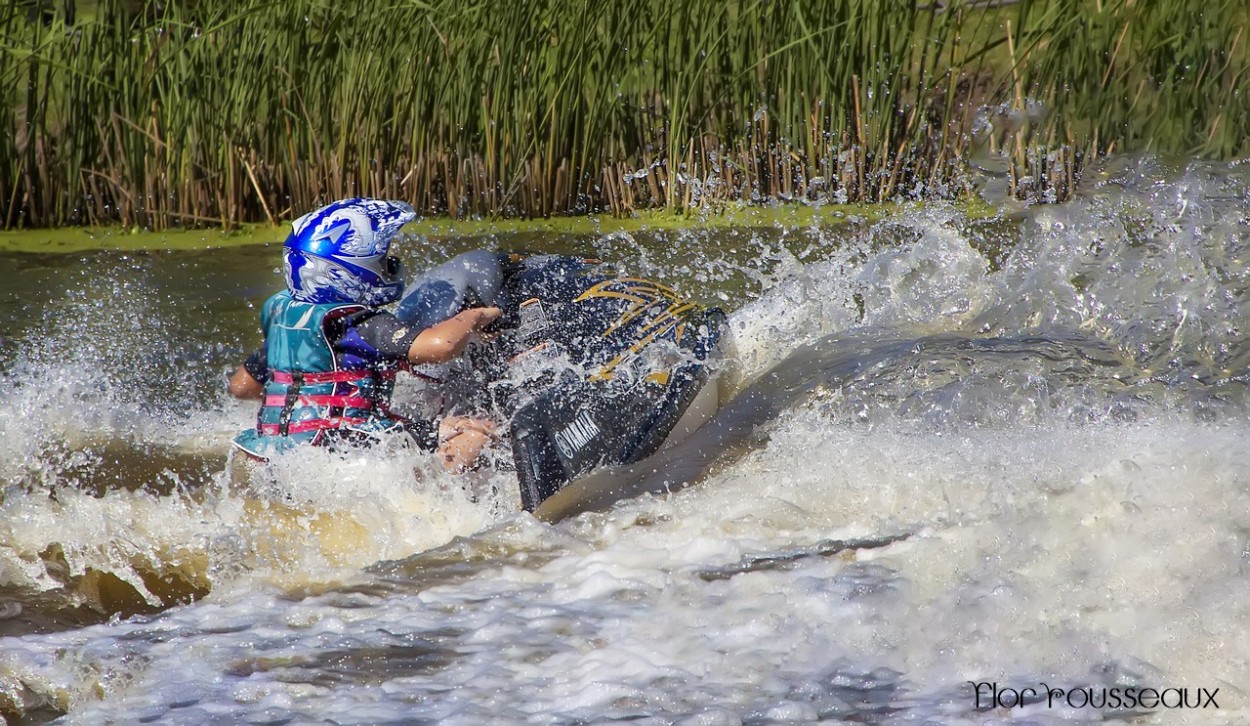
316	424
331	376
280	400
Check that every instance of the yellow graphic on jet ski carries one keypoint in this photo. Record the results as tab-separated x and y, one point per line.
669	311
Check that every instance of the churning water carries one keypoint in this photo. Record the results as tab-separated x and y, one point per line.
982	470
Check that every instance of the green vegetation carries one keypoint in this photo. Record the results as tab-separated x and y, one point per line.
221	112
79	239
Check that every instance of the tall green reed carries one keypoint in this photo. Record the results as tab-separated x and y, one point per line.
223	111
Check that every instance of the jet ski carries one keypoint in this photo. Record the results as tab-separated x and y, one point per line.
589	367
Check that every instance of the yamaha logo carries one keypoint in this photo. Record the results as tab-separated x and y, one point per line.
574	437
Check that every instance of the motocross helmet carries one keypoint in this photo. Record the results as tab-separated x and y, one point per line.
338	254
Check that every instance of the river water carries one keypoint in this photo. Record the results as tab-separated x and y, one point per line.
990	455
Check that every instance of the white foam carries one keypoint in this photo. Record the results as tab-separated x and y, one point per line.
1050	538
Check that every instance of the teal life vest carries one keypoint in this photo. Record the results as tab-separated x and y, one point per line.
312	390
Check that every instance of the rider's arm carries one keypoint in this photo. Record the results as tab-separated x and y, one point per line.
458	439
443	341
247	381
381	334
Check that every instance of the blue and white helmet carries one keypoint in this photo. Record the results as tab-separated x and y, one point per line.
338	254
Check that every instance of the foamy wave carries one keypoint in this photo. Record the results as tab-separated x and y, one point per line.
316	517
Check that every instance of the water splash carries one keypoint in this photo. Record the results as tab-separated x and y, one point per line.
1056	420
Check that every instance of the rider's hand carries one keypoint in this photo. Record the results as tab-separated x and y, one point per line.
452	426
484	317
461	440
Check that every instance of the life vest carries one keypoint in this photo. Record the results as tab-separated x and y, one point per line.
313	389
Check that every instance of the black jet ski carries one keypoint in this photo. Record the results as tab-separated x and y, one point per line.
588	366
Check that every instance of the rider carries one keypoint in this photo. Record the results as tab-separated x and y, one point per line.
327	367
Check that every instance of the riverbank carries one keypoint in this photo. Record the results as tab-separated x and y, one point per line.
83	239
